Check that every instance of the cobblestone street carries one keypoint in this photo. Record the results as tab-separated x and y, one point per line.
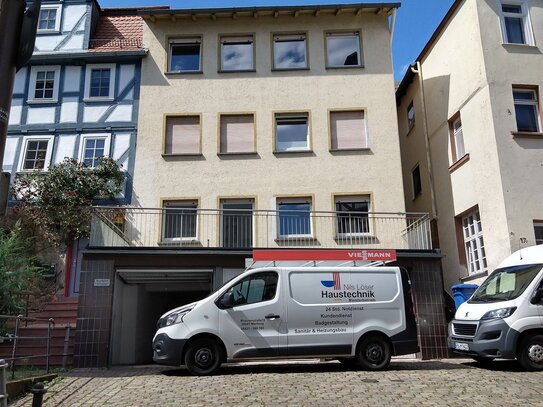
304	383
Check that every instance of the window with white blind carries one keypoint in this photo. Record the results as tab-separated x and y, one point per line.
474	243
348	130
237	133
182	135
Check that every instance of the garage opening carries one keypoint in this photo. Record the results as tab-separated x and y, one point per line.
140	298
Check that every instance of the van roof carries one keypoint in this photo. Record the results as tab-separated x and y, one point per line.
528	255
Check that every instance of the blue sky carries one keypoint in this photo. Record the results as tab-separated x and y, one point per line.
415	22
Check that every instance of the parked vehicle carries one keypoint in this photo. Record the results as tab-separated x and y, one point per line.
504	317
359	315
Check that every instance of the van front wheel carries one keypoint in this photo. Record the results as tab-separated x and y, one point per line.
530	354
203	357
373	353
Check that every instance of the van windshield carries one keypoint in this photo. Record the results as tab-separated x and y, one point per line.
506	283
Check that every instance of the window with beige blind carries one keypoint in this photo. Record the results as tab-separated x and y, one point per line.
182	135
237	134
348	130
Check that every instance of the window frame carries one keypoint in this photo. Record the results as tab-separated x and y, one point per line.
538	224
453	137
330	132
222	37
219	137
197	39
112	75
249	278
535	103
295	200
410	121
354	198
95	136
56	30
524	16
470	238
181	204
165	134
344	33
305	34
292	115
416	193
237	200
34	70
48	154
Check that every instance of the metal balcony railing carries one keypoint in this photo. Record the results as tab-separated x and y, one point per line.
189	227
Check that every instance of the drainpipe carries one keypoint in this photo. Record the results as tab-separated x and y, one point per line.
392	24
416	68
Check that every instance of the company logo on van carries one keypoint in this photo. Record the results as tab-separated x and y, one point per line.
335	282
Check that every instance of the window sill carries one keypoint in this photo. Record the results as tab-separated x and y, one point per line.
181	242
459	163
289	69
237	153
91	100
354	236
280	152
526	134
236	71
183	72
48	32
183	155
339	150
346	67
514	45
295	238
474	276
42	102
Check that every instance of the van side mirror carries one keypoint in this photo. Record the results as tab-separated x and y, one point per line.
227	300
538	296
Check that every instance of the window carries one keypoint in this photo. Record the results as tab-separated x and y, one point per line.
457	139
291	132
474	243
44	83
515	22
182	135
352	215
92	148
538	230
36	153
185	55
415	178
237	53
526	109
255	288
237	223
49	20
180	220
237	133
343	50
348	130
294	217
100	82
290	51
410	116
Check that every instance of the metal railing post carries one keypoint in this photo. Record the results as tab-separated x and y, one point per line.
14	348
3	380
65	350
50	322
38	391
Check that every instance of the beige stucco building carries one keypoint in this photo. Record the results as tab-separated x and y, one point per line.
469	115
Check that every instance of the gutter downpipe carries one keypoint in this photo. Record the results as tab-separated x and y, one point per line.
392	24
416	68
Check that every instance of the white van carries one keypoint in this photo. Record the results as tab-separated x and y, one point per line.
504	317
359	315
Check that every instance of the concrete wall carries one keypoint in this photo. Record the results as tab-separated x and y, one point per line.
264	175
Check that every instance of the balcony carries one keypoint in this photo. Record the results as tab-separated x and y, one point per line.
244	229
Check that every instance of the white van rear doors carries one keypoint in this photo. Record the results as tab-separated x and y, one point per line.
250	327
318	311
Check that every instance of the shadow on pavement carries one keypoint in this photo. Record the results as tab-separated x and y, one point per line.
497	366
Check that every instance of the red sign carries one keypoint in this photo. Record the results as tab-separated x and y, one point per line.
319	255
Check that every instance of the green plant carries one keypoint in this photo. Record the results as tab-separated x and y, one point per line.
58	202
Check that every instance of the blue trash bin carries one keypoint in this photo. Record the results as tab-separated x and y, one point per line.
462	293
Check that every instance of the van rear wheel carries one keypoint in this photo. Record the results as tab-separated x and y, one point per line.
203	357
373	353
530	353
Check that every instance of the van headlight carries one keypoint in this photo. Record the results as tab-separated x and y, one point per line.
499	313
177	317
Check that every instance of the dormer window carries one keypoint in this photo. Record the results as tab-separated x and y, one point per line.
49	21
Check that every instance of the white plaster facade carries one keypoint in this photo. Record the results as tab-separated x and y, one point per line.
469	71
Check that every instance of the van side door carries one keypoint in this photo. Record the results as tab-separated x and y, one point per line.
250	324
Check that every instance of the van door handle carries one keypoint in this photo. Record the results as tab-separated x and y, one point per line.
272	316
